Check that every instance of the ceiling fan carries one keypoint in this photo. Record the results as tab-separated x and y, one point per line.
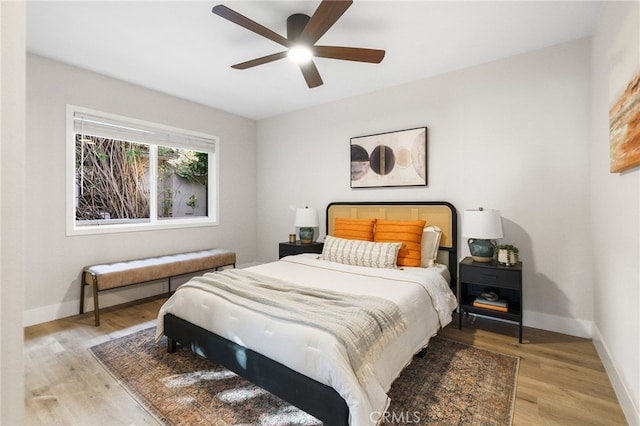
302	34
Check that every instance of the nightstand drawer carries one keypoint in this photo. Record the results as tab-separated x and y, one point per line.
289	249
491	277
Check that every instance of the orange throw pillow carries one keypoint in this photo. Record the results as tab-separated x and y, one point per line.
408	232
354	229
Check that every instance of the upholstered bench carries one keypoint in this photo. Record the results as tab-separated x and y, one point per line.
122	274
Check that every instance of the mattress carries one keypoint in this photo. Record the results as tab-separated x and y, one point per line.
422	294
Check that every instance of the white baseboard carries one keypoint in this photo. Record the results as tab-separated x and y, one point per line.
51	312
570	326
114	297
629	408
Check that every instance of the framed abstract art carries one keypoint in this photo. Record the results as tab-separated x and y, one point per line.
389	159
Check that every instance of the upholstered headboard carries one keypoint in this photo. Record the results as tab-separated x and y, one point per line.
439	213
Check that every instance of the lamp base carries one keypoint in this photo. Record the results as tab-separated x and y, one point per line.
482	259
481	250
306	235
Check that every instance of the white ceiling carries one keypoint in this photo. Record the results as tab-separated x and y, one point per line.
183	49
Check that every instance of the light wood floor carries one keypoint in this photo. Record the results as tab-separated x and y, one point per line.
561	380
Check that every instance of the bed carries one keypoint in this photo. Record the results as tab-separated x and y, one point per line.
310	367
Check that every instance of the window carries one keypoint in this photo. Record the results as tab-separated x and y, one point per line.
127	175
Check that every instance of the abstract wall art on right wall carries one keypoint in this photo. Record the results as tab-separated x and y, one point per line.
624	99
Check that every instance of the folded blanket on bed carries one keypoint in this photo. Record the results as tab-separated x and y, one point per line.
363	324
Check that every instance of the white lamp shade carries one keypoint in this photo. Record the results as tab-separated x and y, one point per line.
306	218
482	224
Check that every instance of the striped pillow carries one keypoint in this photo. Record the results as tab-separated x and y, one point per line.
354	229
360	253
408	232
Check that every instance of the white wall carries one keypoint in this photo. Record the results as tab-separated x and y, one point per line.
615	227
511	135
54	263
12	160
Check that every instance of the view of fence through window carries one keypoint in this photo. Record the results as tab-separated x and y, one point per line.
113	181
182	182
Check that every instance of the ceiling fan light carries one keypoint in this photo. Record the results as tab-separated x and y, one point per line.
300	54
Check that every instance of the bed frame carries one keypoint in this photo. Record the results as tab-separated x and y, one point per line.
317	399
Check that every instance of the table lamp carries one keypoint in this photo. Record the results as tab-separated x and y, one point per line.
482	227
306	220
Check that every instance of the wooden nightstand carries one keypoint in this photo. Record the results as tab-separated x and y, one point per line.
506	281
288	249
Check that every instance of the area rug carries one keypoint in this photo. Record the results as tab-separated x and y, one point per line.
453	384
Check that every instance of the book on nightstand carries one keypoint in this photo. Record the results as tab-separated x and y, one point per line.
501	305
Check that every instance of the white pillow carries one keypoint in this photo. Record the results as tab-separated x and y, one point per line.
360	253
430	243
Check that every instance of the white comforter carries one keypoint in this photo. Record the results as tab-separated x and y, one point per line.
422	294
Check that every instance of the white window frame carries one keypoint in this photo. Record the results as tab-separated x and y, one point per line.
154	223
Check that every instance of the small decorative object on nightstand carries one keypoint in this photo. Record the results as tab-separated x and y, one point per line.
288	249
490	289
506	254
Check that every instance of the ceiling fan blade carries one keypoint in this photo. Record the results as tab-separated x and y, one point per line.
311	74
358	54
243	21
327	13
260	61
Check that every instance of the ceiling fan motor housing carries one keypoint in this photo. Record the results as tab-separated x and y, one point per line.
295	25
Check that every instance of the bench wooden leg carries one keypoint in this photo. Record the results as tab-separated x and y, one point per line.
96	307
82	284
